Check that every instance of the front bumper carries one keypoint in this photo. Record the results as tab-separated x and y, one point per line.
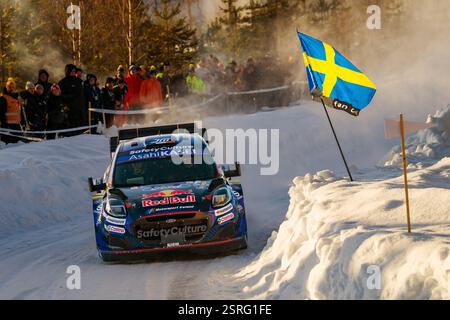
225	236
204	248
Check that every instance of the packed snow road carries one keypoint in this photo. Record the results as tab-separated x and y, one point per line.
46	220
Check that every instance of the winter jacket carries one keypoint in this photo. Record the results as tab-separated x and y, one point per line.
13	109
58	117
164	79
108	99
40	113
134	87
179	87
3	108
93	96
35	109
29	107
151	93
72	93
195	85
251	78
119	96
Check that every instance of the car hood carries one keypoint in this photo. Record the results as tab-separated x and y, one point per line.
168	198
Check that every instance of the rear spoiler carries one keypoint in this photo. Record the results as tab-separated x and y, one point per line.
130	134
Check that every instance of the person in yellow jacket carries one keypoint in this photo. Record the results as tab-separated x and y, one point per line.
10	110
195	84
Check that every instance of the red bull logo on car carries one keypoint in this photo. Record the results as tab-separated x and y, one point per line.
167	201
167	193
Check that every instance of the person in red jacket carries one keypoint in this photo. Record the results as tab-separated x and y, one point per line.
132	98
134	82
151	91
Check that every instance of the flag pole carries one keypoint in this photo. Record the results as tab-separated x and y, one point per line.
337	140
405	174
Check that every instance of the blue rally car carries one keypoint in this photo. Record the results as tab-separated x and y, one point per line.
162	193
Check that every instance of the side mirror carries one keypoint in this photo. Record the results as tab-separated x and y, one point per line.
233	170
96	185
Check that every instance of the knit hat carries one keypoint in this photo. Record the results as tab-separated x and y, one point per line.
43	71
70	68
55	88
29	85
10	82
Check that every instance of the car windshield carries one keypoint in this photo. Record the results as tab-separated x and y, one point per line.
159	171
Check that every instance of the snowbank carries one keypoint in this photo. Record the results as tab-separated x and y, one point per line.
336	233
44	183
335	230
427	146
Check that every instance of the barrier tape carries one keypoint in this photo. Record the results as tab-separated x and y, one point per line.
237	93
48	132
21	137
150	111
207	101
156	110
130	112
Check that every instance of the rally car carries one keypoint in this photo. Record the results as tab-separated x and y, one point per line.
163	192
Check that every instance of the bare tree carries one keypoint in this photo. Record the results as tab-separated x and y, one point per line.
6	51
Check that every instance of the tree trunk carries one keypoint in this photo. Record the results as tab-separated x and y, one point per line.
130	32
2	54
80	4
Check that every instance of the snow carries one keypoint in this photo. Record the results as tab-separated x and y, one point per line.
50	175
310	238
335	229
427	146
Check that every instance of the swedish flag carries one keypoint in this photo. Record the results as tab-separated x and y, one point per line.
335	79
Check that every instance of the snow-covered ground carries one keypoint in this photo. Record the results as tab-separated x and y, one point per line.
332	232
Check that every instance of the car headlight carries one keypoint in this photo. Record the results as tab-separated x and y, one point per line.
221	197
115	208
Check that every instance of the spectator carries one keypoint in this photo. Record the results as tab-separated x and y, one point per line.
120	91
143	72
28	102
58	113
40	112
109	100
72	93
93	98
250	76
151	91
134	82
120	75
43	80
3	107
232	80
194	84
164	78
179	87
9	101
79	73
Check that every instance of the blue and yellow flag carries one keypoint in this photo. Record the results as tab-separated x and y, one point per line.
335	79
